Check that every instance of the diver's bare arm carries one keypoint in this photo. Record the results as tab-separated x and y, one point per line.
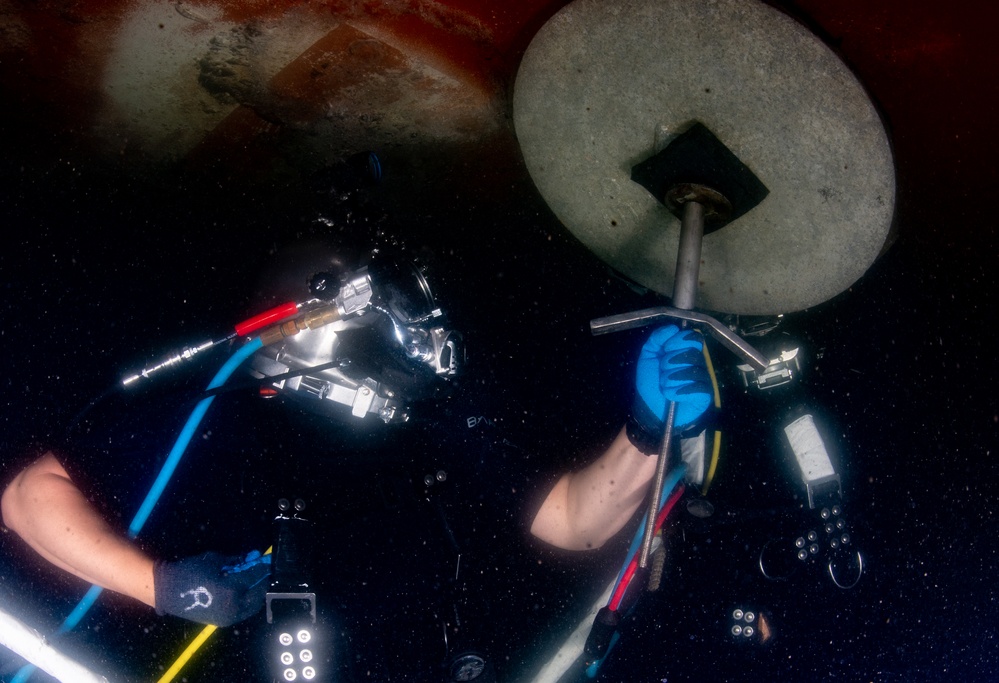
45	508
586	508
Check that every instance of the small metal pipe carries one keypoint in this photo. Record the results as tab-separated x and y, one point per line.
688	256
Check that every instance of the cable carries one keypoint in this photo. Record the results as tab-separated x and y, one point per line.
711	373
179	447
716	445
187	354
268	317
192	647
631	565
198	641
186	434
603	631
713	467
672	482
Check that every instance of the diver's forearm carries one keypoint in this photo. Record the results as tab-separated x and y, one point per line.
586	508
46	509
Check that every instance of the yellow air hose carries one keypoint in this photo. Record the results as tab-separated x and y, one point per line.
189	651
716	446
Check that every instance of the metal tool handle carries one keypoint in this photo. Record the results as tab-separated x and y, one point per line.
657	485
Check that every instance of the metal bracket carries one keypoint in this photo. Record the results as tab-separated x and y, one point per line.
309	598
648	316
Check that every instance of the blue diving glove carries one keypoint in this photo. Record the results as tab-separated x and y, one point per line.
212	588
671	367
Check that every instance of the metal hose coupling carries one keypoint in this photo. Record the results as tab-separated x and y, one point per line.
311	320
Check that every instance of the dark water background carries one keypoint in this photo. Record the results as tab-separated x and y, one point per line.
103	271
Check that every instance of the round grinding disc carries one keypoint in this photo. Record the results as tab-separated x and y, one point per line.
604	86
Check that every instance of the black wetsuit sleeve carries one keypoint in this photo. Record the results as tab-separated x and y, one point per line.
114	453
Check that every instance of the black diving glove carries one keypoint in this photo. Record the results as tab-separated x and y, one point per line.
212	588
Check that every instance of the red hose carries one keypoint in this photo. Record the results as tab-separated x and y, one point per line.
266	318
629	572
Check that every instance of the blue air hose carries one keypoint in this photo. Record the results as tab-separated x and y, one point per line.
173	459
186	434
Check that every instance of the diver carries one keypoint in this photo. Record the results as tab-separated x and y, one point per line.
761	545
361	348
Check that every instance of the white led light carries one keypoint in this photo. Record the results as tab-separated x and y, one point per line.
304	636
305	655
290	674
308	673
285	639
287	658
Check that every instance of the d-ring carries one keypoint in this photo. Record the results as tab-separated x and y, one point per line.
777	571
860	572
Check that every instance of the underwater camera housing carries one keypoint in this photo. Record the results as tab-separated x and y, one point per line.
390	347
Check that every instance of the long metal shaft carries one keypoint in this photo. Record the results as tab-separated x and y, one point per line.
657	488
688	256
688	262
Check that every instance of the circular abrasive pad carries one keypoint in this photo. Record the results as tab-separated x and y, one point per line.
604	86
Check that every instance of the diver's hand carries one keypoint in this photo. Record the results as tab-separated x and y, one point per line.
212	588
671	367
